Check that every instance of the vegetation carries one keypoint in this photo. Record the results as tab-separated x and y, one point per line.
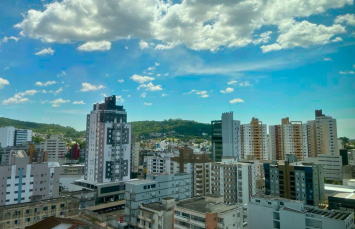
42	128
180	129
346	143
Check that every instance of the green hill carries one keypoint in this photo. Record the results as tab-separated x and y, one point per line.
42	128
139	128
181	127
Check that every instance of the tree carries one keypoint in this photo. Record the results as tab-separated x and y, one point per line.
344	141
336	182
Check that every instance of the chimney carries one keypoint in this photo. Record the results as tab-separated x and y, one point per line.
168	203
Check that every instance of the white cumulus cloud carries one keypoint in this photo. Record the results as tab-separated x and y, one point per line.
303	34
143	95
3	83
141	79
198	24
148	104
228	90
45	84
6	39
120	80
200	93
45	51
232	82
89	87
150	87
79	102
95	46
236	100
349	19
19	97
58	102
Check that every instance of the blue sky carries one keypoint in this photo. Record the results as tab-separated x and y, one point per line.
183	59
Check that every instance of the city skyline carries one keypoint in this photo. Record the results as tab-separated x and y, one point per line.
266	71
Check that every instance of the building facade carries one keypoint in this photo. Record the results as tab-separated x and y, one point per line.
22	182
254	144
288	138
26	214
208	212
156	215
235	181
326	134
22	136
108	143
268	212
332	166
153	189
296	181
55	148
226	137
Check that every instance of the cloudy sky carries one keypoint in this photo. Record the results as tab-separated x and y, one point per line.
189	59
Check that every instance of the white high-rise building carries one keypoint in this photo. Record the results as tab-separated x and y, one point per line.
7	136
254	140
108	143
226	137
230	136
10	136
22	136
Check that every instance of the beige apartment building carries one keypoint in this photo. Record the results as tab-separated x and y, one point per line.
20	216
254	145
291	137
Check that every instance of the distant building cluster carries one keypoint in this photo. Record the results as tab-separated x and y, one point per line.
253	176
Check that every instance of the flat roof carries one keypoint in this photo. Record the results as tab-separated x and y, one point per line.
202	206
338	188
106	205
142	181
154	206
345	195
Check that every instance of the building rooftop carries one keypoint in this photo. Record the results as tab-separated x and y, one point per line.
154	206
53	222
202	206
338	215
140	181
343	195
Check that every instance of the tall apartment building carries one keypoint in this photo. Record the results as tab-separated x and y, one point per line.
269	212
108	143
24	215
208	212
198	165
135	155
326	134
288	138
153	189
254	144
235	181
296	181
24	182
55	148
10	136
226	137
